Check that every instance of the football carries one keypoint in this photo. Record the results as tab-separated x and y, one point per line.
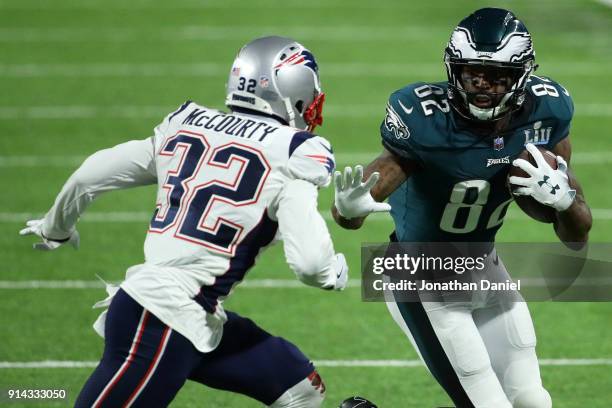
528	204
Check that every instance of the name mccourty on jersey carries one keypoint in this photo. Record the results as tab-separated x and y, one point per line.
229	124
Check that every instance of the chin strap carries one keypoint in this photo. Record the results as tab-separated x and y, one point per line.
290	112
492	113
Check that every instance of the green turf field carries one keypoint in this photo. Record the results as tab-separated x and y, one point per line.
80	75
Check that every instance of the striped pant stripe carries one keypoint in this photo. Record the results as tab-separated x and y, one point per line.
133	349
156	359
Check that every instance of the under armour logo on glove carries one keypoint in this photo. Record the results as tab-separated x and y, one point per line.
560	196
553	188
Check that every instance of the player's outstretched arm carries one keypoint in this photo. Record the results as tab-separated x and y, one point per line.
126	165
308	246
573	224
355	199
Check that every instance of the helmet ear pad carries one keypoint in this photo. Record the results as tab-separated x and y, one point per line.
297	85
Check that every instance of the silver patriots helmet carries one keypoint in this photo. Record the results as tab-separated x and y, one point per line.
277	76
498	45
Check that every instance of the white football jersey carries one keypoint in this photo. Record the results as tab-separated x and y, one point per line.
220	176
228	184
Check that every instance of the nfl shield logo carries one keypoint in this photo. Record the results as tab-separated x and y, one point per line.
264	82
236	71
498	143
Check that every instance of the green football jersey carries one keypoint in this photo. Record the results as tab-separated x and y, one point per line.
460	192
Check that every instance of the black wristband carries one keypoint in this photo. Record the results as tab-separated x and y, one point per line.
61	241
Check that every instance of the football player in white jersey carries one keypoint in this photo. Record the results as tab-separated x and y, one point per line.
228	185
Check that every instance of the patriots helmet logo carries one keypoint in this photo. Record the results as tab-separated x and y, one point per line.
301	57
309	60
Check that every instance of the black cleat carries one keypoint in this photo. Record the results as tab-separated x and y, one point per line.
357	402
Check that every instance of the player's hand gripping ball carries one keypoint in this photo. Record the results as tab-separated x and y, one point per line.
538	180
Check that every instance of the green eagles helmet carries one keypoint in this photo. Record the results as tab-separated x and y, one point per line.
492	44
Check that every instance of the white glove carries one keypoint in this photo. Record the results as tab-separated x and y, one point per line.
34	227
353	198
341	269
547	186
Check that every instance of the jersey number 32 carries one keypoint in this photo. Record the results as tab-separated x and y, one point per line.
189	205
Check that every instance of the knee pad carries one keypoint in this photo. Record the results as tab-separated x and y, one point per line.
466	353
308	393
533	398
520	327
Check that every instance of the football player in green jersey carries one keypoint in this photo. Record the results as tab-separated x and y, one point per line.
447	150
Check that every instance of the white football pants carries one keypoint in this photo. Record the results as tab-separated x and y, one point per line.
489	344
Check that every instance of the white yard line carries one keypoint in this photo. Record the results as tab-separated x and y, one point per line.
137	216
347	69
47	364
41	161
97	284
261	283
94	70
319	363
212	69
68	112
400	34
51	284
112	70
338	33
342	158
194	5
111	216
82	112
